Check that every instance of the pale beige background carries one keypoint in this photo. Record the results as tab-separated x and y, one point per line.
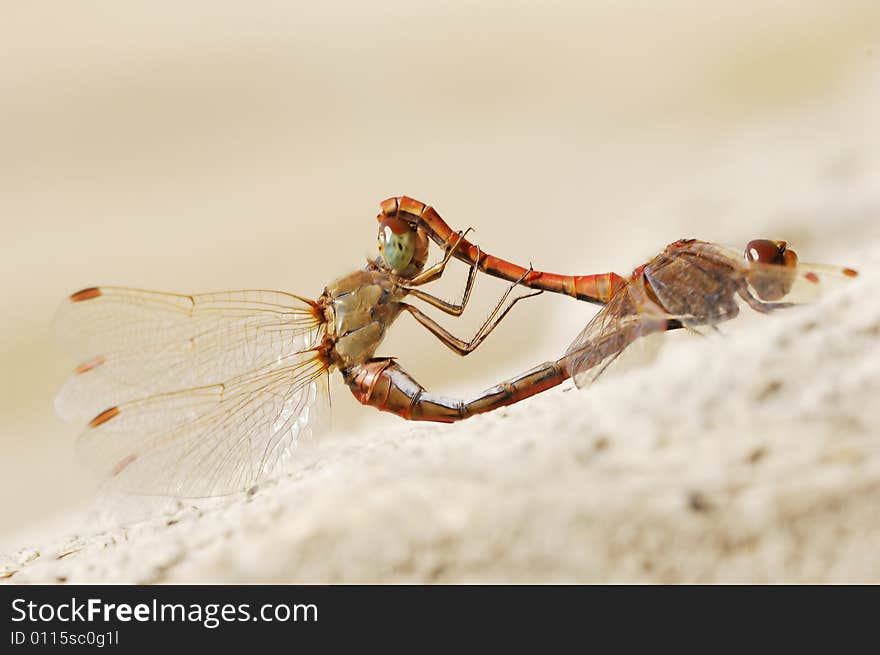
208	145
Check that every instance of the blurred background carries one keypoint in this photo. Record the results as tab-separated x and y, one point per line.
208	145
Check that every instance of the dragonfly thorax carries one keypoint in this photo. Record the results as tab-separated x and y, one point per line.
359	308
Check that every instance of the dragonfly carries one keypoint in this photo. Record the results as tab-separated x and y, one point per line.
206	394
693	284
690	284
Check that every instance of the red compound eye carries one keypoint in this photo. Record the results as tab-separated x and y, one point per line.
772	279
766	251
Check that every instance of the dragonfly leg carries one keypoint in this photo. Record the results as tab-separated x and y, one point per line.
434	272
383	384
459	346
759	305
596	288
444	305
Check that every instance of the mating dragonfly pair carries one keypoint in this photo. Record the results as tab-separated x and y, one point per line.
198	395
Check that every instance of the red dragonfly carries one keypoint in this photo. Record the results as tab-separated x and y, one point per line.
690	284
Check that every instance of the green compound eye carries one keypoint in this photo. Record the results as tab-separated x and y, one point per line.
397	243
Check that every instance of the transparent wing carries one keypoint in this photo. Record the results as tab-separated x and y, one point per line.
629	315
210	440
638	354
191	395
805	283
132	343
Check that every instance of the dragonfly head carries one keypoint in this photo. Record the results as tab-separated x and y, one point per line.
403	246
767	251
770	254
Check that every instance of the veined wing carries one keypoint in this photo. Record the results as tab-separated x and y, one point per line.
132	343
803	283
214	439
629	315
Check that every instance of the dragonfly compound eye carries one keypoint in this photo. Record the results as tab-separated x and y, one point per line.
397	243
765	251
773	281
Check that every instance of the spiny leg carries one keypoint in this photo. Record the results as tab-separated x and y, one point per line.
444	305
459	346
758	305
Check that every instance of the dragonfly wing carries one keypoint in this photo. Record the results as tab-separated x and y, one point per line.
628	316
132	343
638	354
210	440
803	283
